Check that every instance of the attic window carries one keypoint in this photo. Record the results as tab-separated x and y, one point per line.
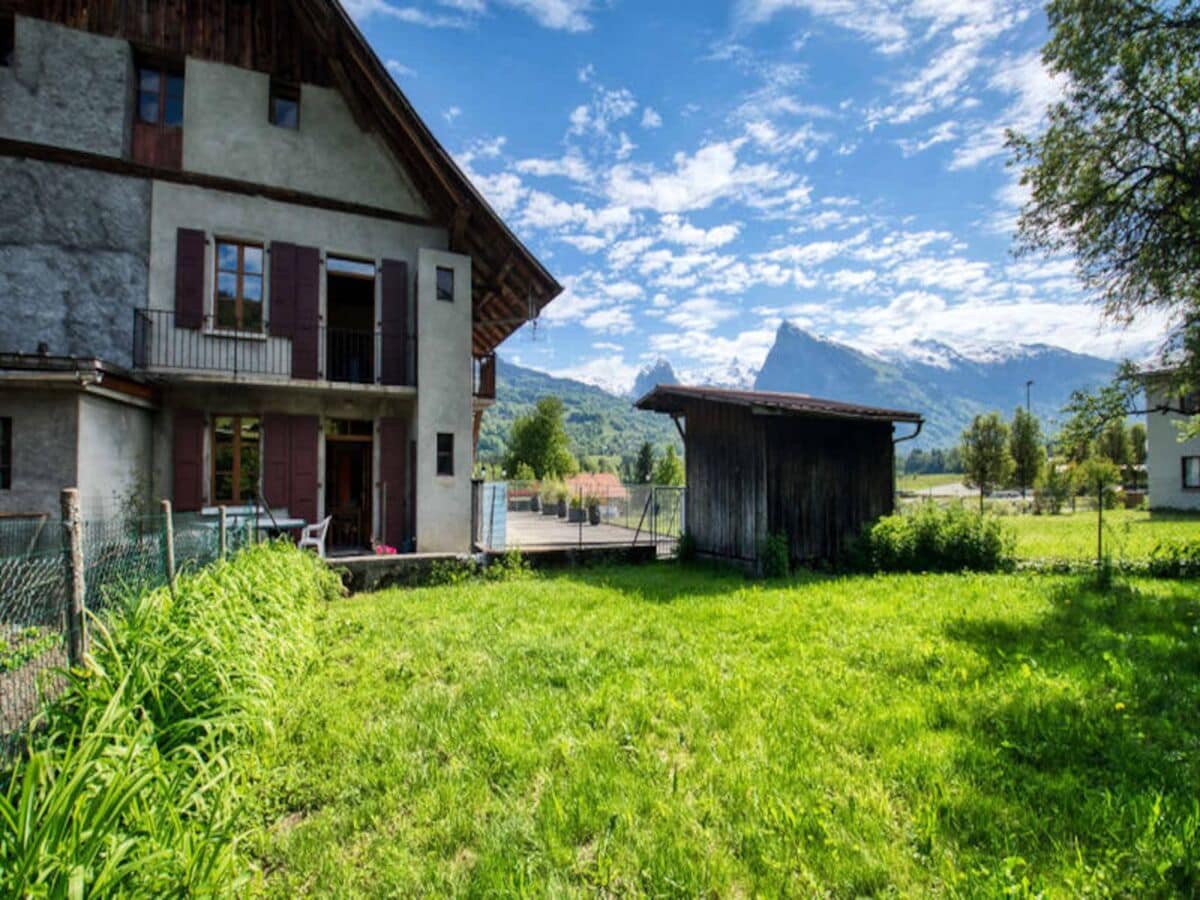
8	38
445	284
285	105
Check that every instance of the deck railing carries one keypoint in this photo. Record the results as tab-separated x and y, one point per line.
321	353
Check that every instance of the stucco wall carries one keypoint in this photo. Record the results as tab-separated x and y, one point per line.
73	263
114	455
443	404
226	131
67	88
1164	453
44	430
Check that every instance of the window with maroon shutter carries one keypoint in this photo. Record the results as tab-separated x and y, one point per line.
394	322
158	114
188	460
189	278
393	472
282	314
239	286
307	325
302	493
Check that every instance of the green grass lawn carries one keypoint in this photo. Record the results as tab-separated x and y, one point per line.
925	482
1128	534
671	731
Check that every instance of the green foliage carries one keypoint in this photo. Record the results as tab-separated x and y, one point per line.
510	566
135	780
1176	559
674	731
685	549
669	469
1113	177
987	463
25	645
1098	477
524	472
643	469
930	538
539	441
932	462
1054	487
1114	444
774	556
1137	443
1026	447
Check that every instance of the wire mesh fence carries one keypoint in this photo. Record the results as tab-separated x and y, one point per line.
122	554
530	515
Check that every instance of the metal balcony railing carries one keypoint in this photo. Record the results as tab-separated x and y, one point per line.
339	355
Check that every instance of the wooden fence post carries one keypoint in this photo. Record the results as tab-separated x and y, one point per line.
223	535
73	560
169	545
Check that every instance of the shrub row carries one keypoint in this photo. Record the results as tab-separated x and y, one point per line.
133	780
930	538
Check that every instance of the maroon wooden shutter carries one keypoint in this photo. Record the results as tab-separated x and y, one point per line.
277	437
283	289
302	492
307	325
188	460
189	278
393	472
394	322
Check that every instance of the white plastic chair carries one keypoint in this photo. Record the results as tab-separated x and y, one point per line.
314	536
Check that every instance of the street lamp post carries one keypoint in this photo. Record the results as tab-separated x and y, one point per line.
1028	385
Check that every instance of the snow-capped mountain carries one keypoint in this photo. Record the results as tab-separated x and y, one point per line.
660	372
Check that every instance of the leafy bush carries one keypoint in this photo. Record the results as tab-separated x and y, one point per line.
932	539
133	785
1176	559
774	555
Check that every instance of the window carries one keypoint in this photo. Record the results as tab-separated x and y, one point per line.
160	97
239	286
8	38
445	284
5	453
445	454
285	105
1191	472
235	459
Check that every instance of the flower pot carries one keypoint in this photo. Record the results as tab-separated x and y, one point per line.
576	514
535	503
562	509
550	509
594	514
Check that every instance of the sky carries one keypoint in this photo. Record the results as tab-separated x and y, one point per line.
695	173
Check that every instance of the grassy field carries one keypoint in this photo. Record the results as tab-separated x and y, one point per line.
925	482
1128	534
678	732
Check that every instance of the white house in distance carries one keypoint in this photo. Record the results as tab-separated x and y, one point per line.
1173	465
235	263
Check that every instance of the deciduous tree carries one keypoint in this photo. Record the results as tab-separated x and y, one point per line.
540	441
987	463
1025	446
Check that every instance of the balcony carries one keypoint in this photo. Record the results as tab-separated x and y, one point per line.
484	379
320	354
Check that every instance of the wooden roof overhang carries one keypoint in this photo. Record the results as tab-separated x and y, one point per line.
674	399
316	41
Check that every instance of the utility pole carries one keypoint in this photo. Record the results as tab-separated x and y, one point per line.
1028	385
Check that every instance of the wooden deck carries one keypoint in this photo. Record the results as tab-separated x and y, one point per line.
534	531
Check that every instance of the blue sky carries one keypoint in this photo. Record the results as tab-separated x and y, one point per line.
694	173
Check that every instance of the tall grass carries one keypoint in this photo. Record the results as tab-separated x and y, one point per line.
133	781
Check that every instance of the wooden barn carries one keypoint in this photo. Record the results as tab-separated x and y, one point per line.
761	463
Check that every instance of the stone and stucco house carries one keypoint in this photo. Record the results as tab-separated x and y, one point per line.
234	262
1172	465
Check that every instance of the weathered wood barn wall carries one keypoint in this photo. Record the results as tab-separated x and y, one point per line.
754	470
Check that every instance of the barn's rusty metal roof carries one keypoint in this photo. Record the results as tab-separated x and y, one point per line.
671	398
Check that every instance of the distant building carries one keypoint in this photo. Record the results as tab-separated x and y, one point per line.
604	485
1173	466
235	263
761	463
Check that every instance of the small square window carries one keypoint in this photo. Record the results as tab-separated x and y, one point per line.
5	453
8	38
445	284
445	454
285	105
1191	472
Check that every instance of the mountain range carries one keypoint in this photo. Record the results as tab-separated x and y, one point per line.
947	385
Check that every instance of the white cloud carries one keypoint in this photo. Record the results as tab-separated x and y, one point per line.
611	320
678	230
697	181
700	314
363	9
650	118
451	114
400	70
559	15
611	373
939	134
570	165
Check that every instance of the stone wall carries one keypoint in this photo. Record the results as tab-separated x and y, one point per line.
74	261
67	88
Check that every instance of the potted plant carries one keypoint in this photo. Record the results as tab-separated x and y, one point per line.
578	512
561	494
549	499
593	509
535	502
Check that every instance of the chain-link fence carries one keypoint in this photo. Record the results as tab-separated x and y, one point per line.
122	553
